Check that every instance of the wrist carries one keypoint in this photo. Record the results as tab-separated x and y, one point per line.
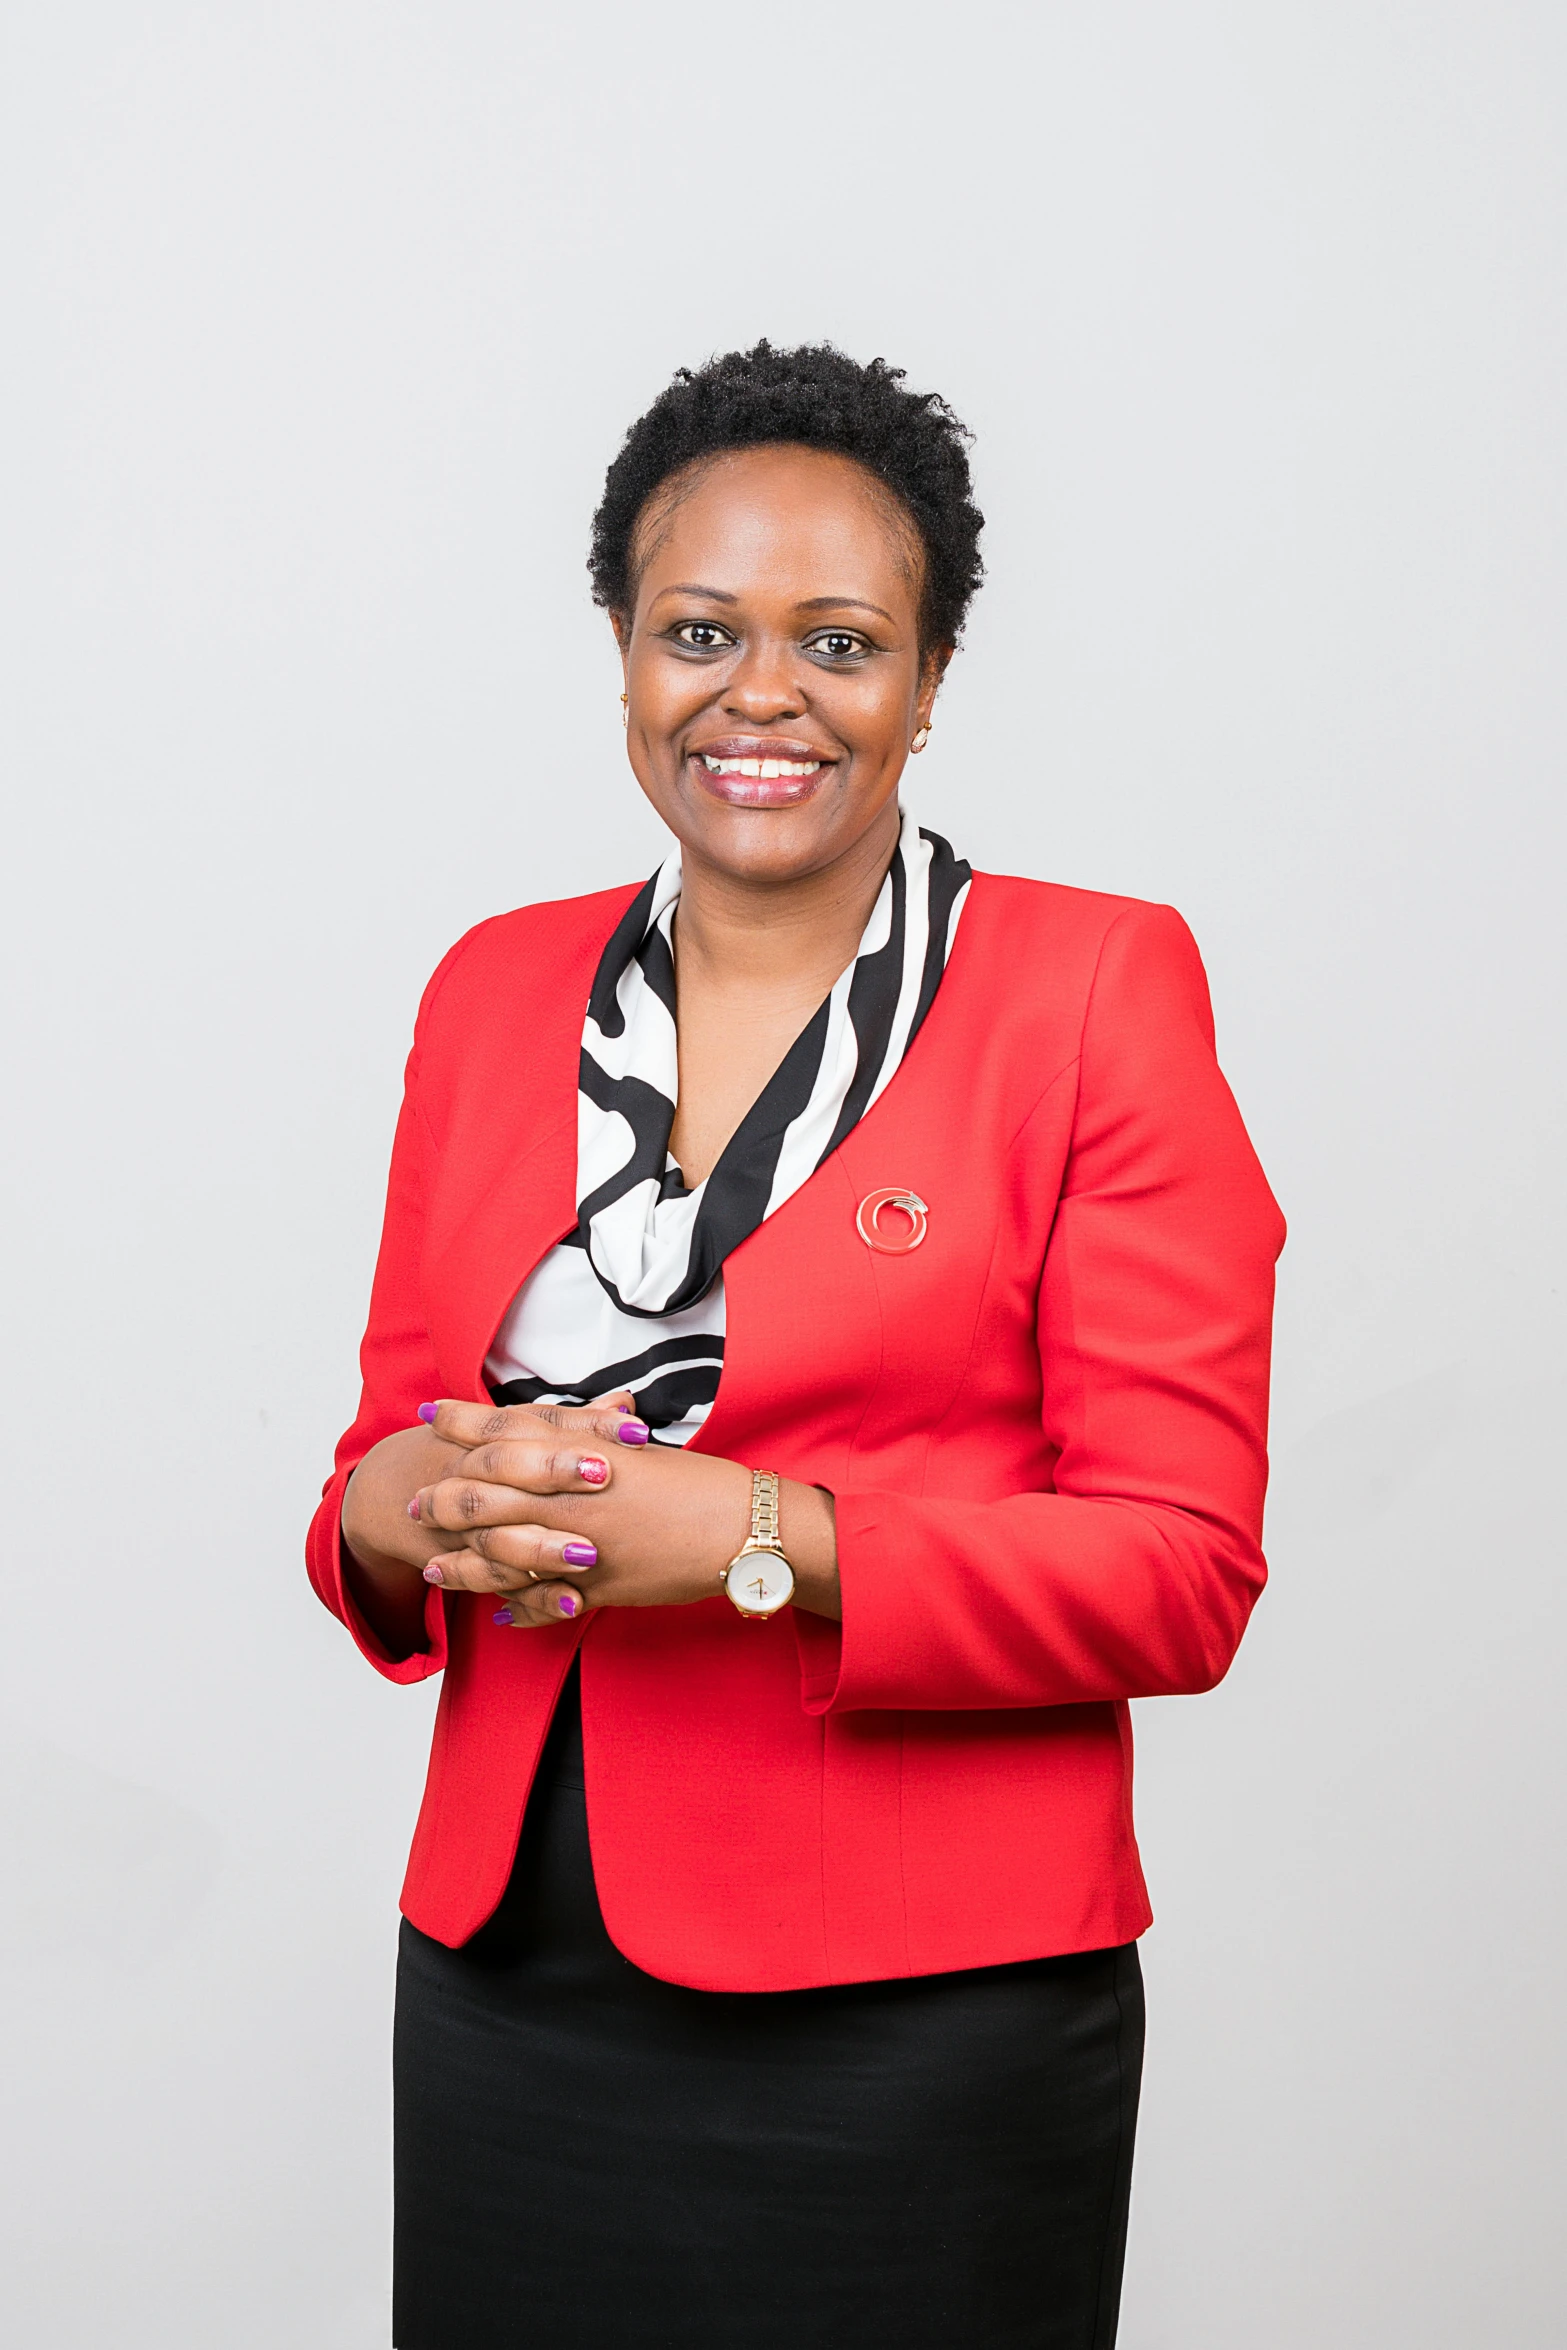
389	1593
808	1534
376	1526
382	1550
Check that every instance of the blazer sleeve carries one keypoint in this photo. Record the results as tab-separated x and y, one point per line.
397	1368
1135	1576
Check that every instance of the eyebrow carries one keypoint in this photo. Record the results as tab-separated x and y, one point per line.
694	587
844	604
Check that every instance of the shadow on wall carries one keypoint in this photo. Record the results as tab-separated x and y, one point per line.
95	1867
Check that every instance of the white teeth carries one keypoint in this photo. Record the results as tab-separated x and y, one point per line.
768	769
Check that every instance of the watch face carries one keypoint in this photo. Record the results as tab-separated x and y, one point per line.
760	1582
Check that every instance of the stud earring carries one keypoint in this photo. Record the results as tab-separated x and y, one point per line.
921	738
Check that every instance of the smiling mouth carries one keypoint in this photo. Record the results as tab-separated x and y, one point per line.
760	778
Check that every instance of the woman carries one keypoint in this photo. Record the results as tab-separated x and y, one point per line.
806	1395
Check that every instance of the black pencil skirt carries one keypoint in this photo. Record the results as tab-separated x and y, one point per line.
590	2159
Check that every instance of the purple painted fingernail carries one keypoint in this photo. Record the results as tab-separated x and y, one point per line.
427	1412
568	1603
432	1573
592	1470
633	1432
624	1409
580	1554
502	1615
413	1507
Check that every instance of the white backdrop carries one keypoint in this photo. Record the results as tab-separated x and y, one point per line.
323	320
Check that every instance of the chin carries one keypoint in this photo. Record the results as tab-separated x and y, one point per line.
770	844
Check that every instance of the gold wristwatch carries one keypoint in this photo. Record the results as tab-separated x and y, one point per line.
759	1579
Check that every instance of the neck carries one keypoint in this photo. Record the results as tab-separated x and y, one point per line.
799	933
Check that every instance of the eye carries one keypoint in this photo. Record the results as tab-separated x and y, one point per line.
838	644
702	636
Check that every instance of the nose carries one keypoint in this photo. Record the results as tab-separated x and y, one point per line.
764	684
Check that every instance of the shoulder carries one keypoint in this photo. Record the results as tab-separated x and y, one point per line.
550	948
1077	942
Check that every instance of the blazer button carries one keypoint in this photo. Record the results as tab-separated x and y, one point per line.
905	1213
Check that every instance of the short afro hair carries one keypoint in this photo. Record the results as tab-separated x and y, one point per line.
821	399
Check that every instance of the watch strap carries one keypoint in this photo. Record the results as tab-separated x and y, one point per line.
764	1509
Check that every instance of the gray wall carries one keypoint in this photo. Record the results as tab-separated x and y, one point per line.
328	318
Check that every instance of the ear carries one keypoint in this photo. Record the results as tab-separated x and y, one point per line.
622	628
933	668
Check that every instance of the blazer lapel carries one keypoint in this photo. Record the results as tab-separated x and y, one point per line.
526	1209
505	1187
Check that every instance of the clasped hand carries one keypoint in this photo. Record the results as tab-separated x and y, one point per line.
554	1513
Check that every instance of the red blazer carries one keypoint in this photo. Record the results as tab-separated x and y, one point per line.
1044	1428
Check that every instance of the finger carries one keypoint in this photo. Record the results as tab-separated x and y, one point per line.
461	1570
519	1552
614	1414
500	1484
547	1465
509	1558
470	1424
541	1603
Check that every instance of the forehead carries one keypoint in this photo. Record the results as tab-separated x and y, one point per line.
804	522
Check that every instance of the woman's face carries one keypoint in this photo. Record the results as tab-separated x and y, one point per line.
773	673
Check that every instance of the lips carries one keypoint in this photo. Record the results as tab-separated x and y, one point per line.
750	771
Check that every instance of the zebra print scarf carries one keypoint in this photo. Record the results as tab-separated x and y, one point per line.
655	1247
